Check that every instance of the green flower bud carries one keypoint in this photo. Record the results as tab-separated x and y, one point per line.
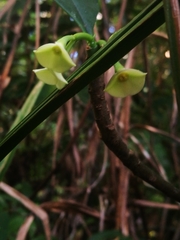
49	77
54	56
125	82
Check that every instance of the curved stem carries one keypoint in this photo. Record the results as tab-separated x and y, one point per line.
101	42
70	45
76	37
85	36
115	143
118	66
64	40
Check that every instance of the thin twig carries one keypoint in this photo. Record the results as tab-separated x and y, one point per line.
157	131
22	233
37	29
121	14
56	141
37	210
6	7
173	130
145	203
10	57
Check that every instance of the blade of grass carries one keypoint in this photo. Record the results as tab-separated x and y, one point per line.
25	110
172	16
118	46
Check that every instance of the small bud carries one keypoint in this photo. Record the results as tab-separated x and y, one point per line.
125	82
49	77
54	56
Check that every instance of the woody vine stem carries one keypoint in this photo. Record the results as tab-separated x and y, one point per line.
114	142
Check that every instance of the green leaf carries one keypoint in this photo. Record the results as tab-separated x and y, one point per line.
25	110
83	12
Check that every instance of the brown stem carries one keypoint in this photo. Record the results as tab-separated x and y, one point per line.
105	19
56	142
70	117
37	28
114	142
10	57
121	14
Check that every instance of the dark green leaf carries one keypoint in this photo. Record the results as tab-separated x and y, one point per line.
83	12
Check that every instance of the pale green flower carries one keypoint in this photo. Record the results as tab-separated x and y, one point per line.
54	56
125	82
50	77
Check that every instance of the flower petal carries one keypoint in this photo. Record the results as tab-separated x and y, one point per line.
52	78
54	56
126	82
61	82
46	76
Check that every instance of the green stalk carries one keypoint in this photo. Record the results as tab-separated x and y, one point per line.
78	36
118	46
118	67
86	36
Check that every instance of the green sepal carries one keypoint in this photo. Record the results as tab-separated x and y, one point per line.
55	57
49	77
125	82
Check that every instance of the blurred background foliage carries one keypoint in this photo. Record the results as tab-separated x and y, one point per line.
63	158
